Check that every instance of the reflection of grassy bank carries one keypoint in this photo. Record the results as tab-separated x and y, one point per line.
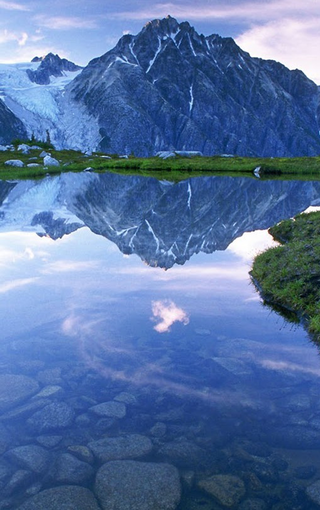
289	275
172	169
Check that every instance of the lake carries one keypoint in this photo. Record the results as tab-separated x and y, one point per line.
139	367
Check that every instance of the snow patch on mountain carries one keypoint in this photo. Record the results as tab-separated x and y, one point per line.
48	108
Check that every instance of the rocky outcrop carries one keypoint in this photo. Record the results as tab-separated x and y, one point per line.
10	126
51	65
170	88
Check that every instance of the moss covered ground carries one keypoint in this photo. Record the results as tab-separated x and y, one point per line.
288	275
174	169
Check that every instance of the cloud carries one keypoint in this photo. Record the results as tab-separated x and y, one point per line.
15	284
65	23
293	42
168	313
12	6
8	36
66	266
245	11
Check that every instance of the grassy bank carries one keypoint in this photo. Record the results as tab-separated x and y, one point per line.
175	169
289	275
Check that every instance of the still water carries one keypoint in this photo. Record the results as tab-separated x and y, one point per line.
139	368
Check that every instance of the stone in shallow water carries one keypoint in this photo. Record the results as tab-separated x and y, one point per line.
14	389
19	479
109	409
122	447
313	491
126	398
31	457
68	497
70	470
228	490
131	485
57	415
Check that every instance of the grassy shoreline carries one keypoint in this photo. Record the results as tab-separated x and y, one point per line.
174	169
288	276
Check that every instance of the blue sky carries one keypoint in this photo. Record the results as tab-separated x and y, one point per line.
284	30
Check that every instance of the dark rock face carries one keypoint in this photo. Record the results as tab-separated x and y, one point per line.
170	88
10	126
51	65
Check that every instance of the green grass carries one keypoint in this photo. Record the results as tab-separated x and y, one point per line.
174	169
288	276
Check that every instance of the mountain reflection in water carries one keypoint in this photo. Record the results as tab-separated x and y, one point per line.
162	222
126	386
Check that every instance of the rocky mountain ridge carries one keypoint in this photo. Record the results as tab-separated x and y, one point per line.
170	88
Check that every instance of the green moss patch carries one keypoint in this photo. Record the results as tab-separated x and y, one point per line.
289	275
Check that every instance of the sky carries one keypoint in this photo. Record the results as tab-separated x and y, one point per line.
283	30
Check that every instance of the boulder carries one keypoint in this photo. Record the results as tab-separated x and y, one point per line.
68	497
31	457
55	416
123	447
15	389
228	490
49	161
124	485
14	162
109	409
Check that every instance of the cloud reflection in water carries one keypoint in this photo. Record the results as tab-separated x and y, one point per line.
168	313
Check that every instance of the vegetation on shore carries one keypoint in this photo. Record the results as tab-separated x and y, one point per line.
288	276
174	169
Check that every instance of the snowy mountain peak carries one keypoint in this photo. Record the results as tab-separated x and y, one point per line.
51	65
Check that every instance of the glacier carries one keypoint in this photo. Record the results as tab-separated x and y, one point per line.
48	108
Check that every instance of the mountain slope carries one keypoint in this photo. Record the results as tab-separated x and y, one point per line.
10	126
171	88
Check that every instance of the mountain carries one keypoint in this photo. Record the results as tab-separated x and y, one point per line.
167	225
51	65
171	88
167	88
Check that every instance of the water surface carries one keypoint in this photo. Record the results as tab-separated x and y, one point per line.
134	292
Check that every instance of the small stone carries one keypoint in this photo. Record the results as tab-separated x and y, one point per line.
82	453
25	410
33	165
51	376
25	149
122	447
109	409
130	485
228	490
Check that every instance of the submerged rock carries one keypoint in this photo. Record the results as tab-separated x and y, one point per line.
14	389
123	447
313	491
109	409
68	497
228	490
31	457
131	485
70	470
55	416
